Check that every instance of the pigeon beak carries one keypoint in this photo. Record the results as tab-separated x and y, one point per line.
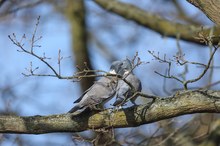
112	71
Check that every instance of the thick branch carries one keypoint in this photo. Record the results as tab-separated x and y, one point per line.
186	102
209	7
157	23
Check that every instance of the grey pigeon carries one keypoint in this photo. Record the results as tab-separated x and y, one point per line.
100	92
123	90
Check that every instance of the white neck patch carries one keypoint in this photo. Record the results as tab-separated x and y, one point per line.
126	72
112	71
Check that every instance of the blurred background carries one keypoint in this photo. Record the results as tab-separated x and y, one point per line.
84	32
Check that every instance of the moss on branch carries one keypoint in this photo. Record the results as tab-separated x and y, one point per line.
182	103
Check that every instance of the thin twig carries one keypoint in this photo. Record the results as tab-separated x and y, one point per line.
59	61
204	71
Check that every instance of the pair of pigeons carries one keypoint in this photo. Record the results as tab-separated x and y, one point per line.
106	87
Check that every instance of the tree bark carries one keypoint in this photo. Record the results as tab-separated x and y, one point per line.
182	103
211	8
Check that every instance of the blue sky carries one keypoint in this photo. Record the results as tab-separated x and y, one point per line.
45	95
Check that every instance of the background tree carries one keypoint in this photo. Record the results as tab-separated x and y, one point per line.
98	32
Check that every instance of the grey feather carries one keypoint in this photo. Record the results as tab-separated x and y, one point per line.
123	90
100	92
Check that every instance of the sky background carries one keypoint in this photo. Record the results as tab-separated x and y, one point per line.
46	95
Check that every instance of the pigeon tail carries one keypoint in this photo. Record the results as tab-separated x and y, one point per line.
75	108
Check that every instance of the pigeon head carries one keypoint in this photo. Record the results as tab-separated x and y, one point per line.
115	67
125	67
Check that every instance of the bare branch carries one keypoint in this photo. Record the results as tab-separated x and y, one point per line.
163	26
78	75
20	7
169	62
204	71
181	61
59	61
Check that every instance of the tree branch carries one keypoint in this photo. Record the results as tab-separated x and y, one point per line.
209	7
182	103
157	23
